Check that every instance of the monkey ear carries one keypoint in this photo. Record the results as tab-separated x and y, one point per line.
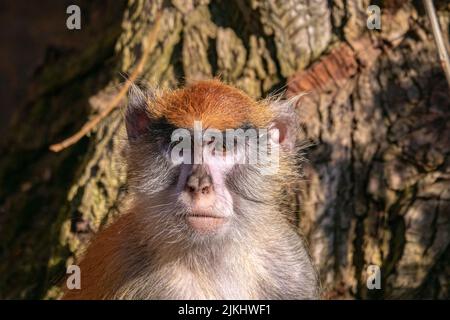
285	124
137	117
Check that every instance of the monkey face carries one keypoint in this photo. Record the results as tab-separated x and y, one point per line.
206	178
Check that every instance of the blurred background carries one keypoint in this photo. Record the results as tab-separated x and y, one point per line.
376	187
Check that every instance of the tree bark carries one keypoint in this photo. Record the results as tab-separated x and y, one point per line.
376	185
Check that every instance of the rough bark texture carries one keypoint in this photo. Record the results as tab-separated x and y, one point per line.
376	188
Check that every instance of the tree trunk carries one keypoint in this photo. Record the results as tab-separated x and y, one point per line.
377	183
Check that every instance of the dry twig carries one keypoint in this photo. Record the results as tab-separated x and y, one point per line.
440	44
91	124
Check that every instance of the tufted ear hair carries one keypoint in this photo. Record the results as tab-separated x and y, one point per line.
137	115
285	123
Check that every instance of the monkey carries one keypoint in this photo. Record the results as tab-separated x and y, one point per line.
207	229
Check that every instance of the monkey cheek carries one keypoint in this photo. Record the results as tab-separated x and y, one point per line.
206	224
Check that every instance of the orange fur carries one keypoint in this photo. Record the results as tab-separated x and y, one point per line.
215	104
100	267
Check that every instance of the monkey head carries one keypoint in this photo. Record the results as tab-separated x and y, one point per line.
207	161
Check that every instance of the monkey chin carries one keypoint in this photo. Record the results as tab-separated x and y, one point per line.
205	223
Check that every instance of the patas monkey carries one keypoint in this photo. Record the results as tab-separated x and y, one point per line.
214	228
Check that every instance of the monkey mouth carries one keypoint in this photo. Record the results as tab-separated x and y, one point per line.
205	222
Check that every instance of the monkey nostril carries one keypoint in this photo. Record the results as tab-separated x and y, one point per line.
191	189
205	190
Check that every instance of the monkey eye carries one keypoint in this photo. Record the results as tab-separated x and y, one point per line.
223	146
174	143
211	141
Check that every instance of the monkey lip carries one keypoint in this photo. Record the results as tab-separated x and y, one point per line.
203	222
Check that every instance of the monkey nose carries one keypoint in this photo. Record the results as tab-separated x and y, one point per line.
199	183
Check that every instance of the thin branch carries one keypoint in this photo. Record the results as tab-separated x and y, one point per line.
442	50
91	124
